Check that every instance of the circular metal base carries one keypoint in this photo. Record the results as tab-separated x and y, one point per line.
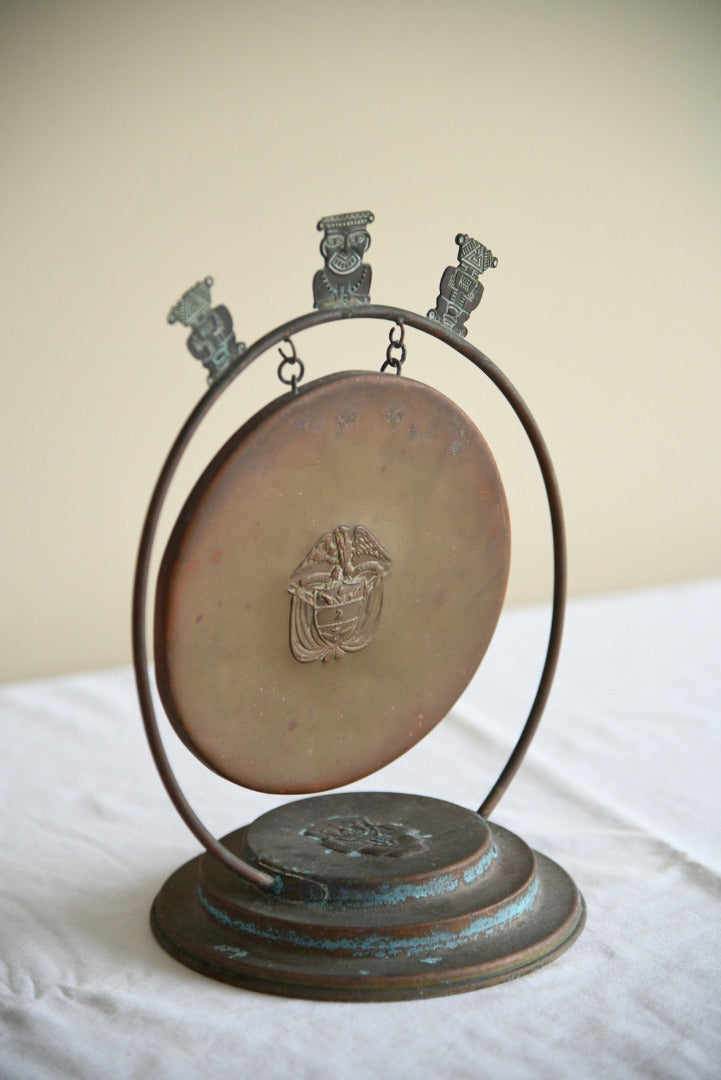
377	896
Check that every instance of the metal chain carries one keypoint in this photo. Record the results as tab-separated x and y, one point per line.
288	361
395	344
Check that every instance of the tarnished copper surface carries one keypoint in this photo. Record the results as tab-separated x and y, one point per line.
377	896
349	453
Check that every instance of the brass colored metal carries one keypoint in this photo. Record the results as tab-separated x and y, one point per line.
360	522
377	896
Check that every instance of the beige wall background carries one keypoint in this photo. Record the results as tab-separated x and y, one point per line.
146	145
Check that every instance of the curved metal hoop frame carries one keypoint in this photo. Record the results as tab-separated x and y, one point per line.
140	652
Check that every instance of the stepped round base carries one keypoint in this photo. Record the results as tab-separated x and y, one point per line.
378	896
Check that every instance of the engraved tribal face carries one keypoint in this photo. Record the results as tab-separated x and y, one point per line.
345	278
343	248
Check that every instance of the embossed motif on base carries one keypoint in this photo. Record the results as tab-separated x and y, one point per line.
337	594
360	836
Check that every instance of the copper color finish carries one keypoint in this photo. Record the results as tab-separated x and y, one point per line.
399	463
351	896
377	896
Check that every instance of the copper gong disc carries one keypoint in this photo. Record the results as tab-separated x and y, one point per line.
331	584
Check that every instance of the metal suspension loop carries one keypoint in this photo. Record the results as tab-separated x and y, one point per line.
293	379
177	451
396	344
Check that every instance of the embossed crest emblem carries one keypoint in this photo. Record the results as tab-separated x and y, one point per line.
337	594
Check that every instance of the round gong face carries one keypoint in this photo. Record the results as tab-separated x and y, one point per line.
331	584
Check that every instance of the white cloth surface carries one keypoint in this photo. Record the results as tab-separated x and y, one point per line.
620	787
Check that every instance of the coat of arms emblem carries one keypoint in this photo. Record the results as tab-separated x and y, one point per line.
337	594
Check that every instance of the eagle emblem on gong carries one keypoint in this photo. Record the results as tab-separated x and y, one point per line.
337	594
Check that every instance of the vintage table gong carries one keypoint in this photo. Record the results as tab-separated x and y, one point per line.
326	594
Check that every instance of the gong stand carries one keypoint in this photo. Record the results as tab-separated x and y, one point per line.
325	596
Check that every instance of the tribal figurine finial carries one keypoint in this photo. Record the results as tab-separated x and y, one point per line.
460	290
212	340
345	278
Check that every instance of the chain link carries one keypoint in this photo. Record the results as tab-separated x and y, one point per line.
288	362
395	345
